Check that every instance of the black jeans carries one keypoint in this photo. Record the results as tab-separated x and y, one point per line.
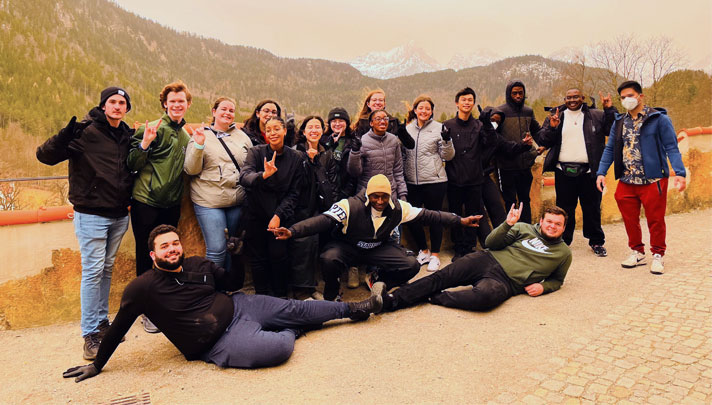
493	209
268	258
490	285
143	219
515	186
464	238
395	266
431	196
571	190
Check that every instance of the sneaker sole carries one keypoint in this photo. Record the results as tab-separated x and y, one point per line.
378	288
657	273
627	266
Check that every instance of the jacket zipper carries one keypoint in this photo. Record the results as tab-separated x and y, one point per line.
417	143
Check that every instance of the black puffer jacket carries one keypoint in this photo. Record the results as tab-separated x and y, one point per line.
469	138
596	125
318	191
519	119
99	178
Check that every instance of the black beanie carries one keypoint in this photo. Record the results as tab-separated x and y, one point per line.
110	91
339	112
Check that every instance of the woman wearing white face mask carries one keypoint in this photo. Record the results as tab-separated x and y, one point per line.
425	174
214	184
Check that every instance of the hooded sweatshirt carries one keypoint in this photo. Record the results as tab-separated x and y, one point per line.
518	120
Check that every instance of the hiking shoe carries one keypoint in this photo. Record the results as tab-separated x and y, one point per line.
91	345
353	280
103	327
635	259
380	289
148	326
423	257
599	250
434	264
371	279
657	267
360	311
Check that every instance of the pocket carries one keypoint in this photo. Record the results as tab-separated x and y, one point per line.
210	175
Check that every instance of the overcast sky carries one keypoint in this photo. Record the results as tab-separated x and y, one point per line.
343	30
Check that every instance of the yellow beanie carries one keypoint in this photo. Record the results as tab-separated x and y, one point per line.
378	184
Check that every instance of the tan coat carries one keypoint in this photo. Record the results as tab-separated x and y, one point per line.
214	181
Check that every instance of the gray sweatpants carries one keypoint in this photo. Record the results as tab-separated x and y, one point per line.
262	333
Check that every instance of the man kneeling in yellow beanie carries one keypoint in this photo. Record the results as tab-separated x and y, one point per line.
362	226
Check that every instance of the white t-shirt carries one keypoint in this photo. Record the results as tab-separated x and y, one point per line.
573	145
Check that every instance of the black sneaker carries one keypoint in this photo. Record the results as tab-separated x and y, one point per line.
91	345
360	311
103	327
599	250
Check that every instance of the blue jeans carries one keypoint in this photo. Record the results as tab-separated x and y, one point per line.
213	222
99	239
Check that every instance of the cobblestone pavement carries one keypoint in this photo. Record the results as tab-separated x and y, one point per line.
654	349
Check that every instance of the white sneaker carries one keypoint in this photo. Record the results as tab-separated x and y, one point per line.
423	257
635	259
434	264
353	278
148	326
657	266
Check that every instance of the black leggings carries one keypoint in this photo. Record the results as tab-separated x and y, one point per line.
494	209
268	258
490	285
516	186
431	196
144	218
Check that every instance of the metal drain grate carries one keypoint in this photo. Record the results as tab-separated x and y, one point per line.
143	398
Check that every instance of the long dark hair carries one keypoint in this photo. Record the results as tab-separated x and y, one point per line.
300	133
365	109
253	123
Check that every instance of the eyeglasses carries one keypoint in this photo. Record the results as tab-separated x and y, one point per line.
268	111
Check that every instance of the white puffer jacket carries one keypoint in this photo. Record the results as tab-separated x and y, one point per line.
425	164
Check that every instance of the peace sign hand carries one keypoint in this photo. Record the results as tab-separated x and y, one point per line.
149	134
606	101
554	119
514	214
199	134
311	152
270	166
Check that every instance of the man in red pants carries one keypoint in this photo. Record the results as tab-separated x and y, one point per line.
639	145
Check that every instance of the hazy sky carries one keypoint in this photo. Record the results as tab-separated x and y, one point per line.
343	30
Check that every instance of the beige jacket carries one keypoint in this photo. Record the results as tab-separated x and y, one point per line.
214	181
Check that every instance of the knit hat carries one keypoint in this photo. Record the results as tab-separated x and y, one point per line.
110	91
339	112
378	184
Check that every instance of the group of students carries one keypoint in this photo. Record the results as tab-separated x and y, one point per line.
267	182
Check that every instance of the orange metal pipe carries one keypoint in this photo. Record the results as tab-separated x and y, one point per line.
43	214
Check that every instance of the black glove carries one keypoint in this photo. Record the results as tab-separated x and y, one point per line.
81	372
355	144
485	119
403	135
72	130
234	243
445	133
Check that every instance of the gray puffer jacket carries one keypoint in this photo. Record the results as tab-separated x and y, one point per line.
378	155
425	164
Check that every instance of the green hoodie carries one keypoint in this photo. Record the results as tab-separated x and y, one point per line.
159	182
528	257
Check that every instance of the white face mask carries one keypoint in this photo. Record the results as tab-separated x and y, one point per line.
629	103
494	124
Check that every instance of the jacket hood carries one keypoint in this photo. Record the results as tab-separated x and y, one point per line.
508	93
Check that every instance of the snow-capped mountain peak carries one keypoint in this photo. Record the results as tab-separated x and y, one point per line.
404	60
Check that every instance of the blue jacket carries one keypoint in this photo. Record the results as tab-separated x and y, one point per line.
657	140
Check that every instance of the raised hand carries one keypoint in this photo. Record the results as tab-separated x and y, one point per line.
445	133
68	133
281	233
355	144
81	372
149	134
199	134
273	223
311	152
485	118
554	119
514	214
472	221
528	140
607	102
270	166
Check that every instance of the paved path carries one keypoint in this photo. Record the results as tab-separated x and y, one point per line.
609	335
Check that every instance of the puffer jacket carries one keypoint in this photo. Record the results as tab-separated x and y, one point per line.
425	164
215	181
159	182
379	155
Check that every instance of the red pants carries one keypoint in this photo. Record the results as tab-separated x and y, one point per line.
653	197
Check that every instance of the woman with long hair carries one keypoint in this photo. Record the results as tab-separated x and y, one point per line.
255	125
376	100
213	160
425	174
272	174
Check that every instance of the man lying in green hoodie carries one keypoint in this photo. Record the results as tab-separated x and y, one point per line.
520	258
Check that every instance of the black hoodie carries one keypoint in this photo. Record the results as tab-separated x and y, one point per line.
519	119
99	178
